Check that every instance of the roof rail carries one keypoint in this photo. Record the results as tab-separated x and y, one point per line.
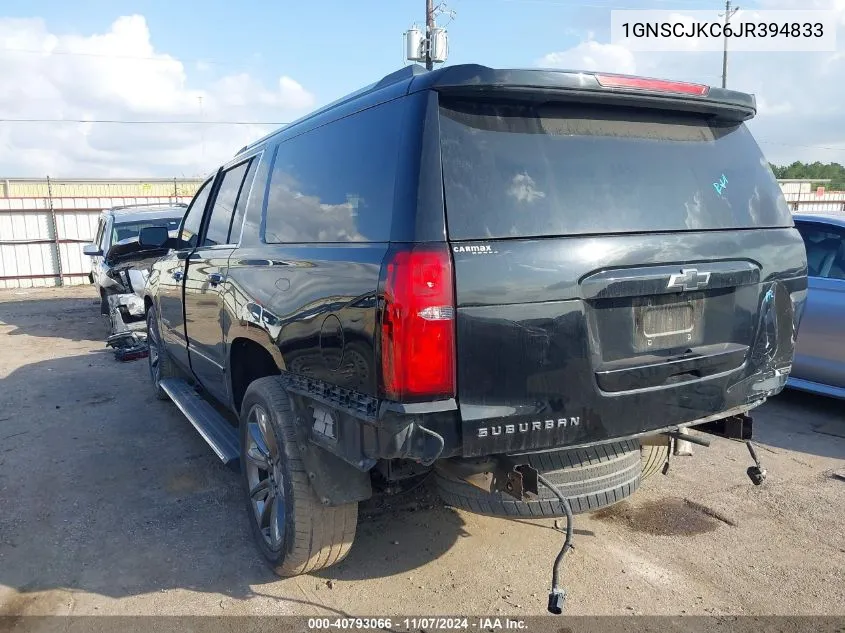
404	73
150	204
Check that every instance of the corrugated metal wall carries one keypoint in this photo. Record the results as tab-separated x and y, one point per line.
44	224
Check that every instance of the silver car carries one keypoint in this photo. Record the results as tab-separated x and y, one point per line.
819	364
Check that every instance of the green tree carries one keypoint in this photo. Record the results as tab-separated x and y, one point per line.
813	171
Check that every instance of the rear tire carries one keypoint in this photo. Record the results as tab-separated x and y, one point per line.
590	478
653	459
295	532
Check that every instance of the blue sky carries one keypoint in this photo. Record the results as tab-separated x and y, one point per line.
336	46
274	61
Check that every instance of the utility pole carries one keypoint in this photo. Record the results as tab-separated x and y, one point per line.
429	44
429	32
728	13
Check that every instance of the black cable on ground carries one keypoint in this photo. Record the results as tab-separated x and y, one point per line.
558	595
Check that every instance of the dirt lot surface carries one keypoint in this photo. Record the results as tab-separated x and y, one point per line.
110	503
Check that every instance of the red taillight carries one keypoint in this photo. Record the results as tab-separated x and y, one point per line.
418	325
655	85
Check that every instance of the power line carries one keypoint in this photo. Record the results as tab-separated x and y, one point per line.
125	122
610	7
834	149
149	58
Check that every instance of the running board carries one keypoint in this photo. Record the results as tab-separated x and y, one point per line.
221	436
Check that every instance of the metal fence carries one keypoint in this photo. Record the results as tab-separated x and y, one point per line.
832	203
813	196
45	223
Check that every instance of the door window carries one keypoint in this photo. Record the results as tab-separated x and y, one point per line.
223	207
193	218
825	250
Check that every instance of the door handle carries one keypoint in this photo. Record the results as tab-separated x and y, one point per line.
177	275
214	279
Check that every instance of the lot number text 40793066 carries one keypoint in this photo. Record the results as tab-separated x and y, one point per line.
418	623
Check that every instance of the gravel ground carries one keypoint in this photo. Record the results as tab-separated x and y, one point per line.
110	503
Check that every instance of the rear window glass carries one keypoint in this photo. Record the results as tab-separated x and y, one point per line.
130	230
512	170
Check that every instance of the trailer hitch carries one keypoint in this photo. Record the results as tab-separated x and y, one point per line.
734	427
500	475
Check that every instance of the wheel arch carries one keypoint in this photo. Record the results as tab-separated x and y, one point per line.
249	360
334	480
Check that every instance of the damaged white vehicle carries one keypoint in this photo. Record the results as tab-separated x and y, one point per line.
120	266
129	268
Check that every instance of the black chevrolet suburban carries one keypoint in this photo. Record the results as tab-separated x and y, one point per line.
522	283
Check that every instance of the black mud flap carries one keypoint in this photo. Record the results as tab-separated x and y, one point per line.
334	481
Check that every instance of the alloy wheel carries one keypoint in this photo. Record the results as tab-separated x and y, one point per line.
265	478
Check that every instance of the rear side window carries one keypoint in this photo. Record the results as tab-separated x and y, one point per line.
193	218
240	208
536	170
336	183
223	208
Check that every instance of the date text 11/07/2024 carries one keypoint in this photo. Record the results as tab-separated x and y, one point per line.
415	624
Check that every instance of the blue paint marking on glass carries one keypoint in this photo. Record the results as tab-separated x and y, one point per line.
720	186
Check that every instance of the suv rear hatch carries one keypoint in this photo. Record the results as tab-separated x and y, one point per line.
620	267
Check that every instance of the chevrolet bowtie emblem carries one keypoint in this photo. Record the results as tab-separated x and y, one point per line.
688	279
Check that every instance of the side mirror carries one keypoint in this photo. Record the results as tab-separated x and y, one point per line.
92	250
153	237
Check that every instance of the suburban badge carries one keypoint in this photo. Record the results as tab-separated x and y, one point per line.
528	427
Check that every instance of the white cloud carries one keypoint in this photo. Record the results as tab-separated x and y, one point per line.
592	56
799	95
119	75
293	94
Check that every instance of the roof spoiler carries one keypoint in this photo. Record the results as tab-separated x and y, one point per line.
564	85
